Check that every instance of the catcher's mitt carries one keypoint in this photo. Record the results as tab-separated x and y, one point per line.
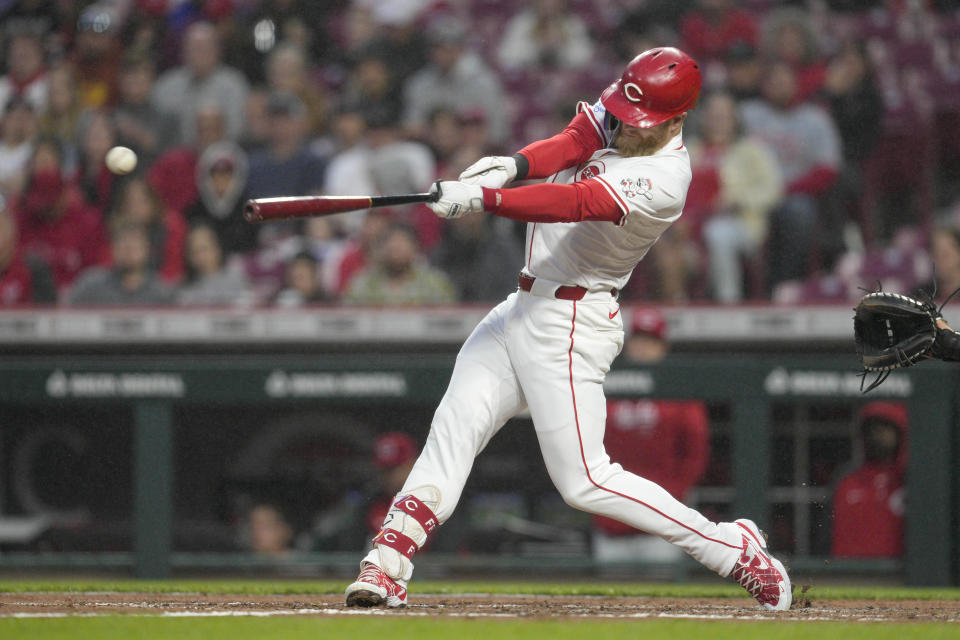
893	331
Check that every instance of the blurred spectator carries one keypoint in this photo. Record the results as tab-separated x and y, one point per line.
304	286
456	78
400	275
871	497
166	228
62	118
856	107
288	71
140	124
744	70
221	184
358	251
96	55
708	32
18	131
202	79
360	28
664	441
653	24
98	134
348	171
481	257
146	33
50	21
545	35
807	148
267	531
384	162
736	181
323	239
399	165
22	281
174	174
56	225
399	42
445	137
209	281
855	102
260	31
287	166
945	256
789	37
129	280
671	271
26	75
257	120
371	89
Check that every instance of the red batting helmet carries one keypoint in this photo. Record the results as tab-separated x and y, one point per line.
657	85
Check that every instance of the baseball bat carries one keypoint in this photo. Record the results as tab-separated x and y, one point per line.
269	209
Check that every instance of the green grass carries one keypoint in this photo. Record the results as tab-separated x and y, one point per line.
324	587
310	628
317	627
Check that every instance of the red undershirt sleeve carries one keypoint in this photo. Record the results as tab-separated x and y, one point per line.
549	202
575	144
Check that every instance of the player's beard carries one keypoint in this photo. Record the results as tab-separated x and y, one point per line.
641	142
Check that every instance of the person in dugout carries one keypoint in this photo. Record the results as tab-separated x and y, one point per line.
871	497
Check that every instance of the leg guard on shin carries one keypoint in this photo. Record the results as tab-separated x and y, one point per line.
405	530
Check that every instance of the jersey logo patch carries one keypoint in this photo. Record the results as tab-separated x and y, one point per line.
639	187
592	170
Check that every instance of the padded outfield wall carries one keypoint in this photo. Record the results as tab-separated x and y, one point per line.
127	437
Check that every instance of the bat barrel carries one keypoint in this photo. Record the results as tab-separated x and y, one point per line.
268	209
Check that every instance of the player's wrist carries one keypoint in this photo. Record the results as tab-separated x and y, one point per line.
522	165
491	199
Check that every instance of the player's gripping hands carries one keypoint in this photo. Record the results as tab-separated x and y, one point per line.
492	172
456	199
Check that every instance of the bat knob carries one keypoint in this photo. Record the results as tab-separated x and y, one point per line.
251	211
435	193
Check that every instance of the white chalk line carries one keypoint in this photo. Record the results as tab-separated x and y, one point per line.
253	613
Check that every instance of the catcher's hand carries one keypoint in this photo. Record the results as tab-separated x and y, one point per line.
894	331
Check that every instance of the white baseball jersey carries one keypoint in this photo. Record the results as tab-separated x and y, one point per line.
650	191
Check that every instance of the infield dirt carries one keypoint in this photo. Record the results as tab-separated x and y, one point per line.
478	605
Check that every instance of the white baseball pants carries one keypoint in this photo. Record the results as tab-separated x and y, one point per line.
552	356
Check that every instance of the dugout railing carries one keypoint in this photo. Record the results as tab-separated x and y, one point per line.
154	387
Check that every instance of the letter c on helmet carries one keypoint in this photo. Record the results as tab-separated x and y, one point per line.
632	92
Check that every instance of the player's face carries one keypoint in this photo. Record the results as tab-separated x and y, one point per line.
637	141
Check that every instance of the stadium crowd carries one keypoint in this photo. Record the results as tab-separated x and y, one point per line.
825	149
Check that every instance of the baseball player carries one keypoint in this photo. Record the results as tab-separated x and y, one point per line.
617	177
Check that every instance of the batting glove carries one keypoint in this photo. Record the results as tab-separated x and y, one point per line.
492	172
456	199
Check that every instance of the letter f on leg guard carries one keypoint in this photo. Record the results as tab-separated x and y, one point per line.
386	570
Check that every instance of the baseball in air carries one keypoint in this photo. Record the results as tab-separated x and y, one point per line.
121	160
